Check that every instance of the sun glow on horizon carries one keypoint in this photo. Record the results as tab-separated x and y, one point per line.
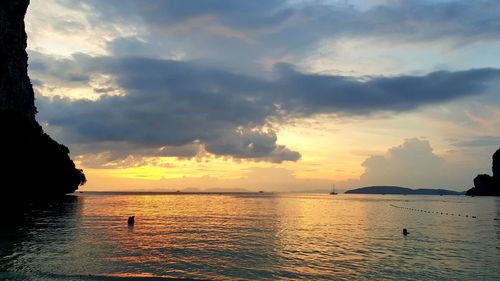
140	96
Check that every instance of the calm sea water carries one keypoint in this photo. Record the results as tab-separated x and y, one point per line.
259	236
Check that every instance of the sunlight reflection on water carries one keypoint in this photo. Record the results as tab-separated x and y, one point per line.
257	236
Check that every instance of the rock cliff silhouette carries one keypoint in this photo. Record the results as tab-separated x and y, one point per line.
31	163
486	185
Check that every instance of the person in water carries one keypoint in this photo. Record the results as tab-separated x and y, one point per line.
131	220
405	232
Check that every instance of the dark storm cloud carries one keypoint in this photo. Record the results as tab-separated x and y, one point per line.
241	13
311	21
129	46
168	103
62	71
311	93
245	35
172	103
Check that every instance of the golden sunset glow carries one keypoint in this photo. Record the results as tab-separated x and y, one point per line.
250	140
196	102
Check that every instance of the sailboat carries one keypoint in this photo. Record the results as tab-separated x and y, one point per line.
333	190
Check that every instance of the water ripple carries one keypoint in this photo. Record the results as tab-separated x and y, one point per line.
242	237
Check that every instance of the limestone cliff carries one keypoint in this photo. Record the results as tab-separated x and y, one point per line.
496	164
31	163
15	86
486	185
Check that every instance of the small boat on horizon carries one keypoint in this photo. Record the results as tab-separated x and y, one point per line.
333	190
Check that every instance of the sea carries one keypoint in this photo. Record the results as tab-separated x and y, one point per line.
253	236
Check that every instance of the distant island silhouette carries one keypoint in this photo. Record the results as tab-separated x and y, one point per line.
486	185
401	190
33	164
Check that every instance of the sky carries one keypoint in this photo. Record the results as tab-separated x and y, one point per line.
269	95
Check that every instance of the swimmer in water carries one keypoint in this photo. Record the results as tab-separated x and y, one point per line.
405	232
131	220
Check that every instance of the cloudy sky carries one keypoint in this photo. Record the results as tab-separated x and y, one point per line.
269	94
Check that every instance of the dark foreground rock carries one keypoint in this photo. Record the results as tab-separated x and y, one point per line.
31	163
486	185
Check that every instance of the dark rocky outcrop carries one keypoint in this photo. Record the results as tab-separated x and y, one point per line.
496	164
401	190
486	185
31	163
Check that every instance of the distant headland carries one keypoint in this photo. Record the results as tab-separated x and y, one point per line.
401	190
33	164
486	185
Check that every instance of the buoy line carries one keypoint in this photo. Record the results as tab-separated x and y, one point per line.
434	212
